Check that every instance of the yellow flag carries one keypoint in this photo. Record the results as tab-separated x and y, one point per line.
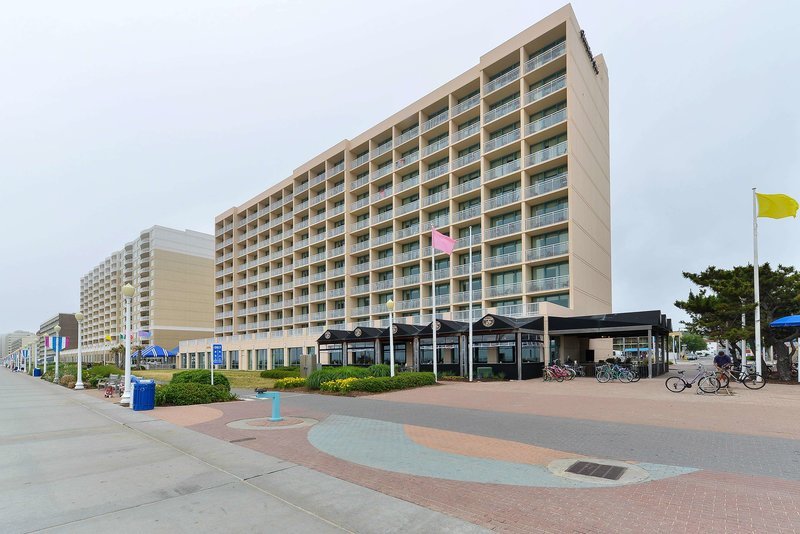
776	206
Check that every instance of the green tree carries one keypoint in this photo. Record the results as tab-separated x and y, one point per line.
715	311
693	342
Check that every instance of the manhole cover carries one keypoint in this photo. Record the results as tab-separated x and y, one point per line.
591	469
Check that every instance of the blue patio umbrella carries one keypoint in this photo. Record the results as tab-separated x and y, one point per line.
786	322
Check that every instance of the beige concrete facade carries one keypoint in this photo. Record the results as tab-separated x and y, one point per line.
515	150
172	271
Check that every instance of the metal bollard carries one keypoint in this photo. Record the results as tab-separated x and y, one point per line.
276	403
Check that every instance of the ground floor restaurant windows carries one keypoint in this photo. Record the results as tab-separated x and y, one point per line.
532	348
330	354
261	355
234	356
202	357
400	357
446	350
361	353
277	358
494	348
294	355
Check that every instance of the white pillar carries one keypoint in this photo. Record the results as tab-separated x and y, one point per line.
126	396
79	381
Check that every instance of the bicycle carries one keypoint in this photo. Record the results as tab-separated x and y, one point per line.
706	381
746	376
613	372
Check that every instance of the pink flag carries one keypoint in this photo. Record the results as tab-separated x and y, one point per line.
442	242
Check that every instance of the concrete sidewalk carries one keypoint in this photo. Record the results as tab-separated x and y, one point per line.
73	463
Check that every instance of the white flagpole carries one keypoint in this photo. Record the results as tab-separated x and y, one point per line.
45	355
433	301
469	296
757	321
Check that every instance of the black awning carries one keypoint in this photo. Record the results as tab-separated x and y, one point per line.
333	335
622	324
364	333
403	330
492	323
445	327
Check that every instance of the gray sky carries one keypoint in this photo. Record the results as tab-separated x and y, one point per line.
115	117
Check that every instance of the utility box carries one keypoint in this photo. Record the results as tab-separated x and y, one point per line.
308	364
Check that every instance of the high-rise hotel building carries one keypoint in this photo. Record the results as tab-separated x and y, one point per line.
172	274
514	151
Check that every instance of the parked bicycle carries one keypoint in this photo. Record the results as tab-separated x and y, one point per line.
746	375
607	372
706	381
556	373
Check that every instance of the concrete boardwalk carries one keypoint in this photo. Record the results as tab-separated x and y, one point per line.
70	462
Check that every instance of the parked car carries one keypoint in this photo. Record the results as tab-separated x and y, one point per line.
704	353
691	356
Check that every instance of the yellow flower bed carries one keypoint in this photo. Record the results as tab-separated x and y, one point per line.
290	382
341	385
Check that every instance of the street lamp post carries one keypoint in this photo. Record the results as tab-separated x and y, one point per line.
127	292
390	306
58	349
79	382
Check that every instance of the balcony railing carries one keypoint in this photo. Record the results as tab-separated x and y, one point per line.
503	259
466	159
384	284
382	194
504	199
546	121
504	169
336	230
434	121
383	262
411	182
464	241
336	313
461	270
407	160
381	172
502	140
408	280
546	154
382	149
549	284
546	219
408	256
318	179
468	213
406	208
335	190
358	204
406	232
364	180
379	218
466	186
336	169
360	267
436	197
503	290
363	245
438	222
469	131
546	57
503	230
547	251
407	304
441	300
316	238
360	310
441	274
501	111
358	225
318	218
546	186
402	138
501	81
444	142
546	89
430	174
466	296
362	159
381	239
467	104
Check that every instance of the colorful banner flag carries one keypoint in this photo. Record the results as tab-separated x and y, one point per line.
776	206
144	334
442	242
56	342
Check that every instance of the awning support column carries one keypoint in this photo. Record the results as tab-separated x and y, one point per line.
651	354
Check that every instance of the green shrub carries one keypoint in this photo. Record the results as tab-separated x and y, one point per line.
185	393
201	376
281	372
49	375
290	382
327	374
379	369
386	383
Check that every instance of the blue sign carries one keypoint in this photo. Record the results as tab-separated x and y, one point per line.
217	353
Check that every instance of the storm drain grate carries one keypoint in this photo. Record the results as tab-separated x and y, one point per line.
591	469
240	440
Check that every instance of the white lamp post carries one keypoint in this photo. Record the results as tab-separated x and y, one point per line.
390	306
79	383
58	349
127	292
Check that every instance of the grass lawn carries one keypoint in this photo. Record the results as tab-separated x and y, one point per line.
238	379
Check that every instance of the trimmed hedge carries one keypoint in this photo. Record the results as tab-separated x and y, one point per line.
373	384
185	393
290	382
201	376
281	372
335	373
379	369
94	374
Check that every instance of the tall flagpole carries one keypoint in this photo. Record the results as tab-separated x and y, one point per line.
757	321
45	356
433	301
469	296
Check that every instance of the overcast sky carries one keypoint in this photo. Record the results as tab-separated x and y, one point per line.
118	116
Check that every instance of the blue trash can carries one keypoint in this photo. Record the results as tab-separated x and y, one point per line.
144	395
37	371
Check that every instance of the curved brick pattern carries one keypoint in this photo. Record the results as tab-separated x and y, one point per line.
482	447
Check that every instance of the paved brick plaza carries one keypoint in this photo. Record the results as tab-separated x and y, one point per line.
741	454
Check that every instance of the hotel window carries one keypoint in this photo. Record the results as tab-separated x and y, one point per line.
408	247
507	277
361	260
385	209
549	207
294	355
562	299
386	230
261	355
502	131
507	248
408	129
399	354
439	163
338	284
413	269
546	48
362	301
443	289
463	285
409	222
548	143
410	294
436	189
548	111
385	253
409	199
505	218
546	175
362	196
362	238
409	176
553	238
473	93
277	358
383	298
469	203
550	271
234	356
505	100
476	231
436	139
548	79
507	188
467	124
385	275
469	150
505	159
362	280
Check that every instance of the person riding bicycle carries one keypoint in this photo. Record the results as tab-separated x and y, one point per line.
722	362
